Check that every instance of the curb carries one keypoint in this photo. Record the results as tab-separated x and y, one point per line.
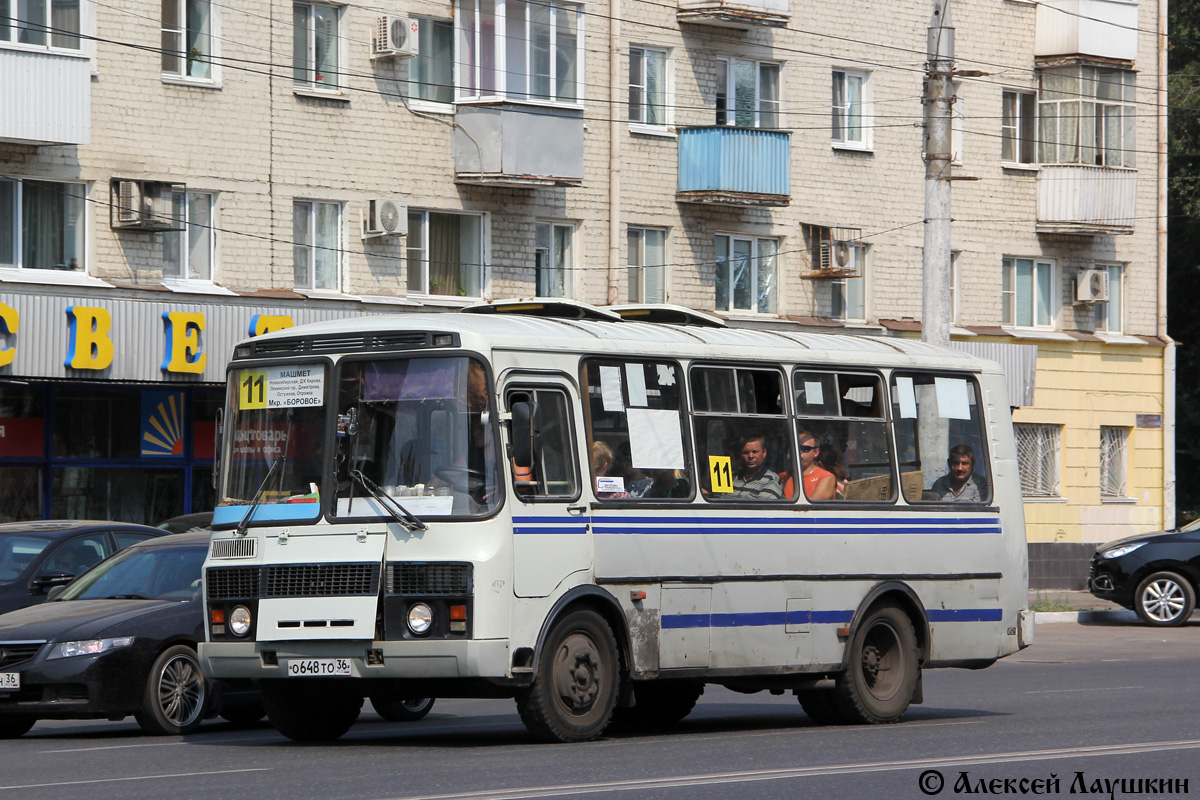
1110	617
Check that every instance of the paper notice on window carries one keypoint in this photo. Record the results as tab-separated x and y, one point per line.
666	375
952	398
654	439
814	393
906	398
610	484
290	387
610	388
635	377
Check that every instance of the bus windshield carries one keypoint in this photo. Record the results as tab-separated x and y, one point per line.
275	425
423	433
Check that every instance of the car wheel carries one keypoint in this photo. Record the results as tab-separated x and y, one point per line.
1164	600
12	727
311	710
408	709
575	687
882	670
176	694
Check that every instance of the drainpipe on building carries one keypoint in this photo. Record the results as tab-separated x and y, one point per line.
1168	432
939	94
614	151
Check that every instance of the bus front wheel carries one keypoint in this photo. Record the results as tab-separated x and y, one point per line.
575	686
882	670
311	710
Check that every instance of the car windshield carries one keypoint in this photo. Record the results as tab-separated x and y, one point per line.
159	573
17	552
1191	526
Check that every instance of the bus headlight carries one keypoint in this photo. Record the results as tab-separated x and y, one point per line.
420	618
239	621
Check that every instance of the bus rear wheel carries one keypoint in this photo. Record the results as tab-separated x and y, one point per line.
882	671
311	710
575	686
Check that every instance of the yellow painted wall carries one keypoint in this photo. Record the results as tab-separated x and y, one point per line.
1081	386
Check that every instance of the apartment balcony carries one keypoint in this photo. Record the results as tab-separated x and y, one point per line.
1100	28
742	14
45	97
504	144
1078	199
720	165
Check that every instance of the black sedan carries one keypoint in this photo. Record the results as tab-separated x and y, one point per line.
37	556
1154	574
119	640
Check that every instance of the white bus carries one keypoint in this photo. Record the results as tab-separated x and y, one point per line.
599	513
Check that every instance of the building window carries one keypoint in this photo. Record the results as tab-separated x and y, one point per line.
520	49
648	87
553	259
850	122
747	93
1027	293
431	74
41	22
1086	115
445	254
187	38
647	258
188	253
316	244
1018	128
1037	459
41	225
315	46
1109	315
848	292
1112	461
745	279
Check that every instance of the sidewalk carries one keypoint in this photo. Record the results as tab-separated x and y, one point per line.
1085	607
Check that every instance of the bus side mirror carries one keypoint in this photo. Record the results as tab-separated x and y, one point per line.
526	433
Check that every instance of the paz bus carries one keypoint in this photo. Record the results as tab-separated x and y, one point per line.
599	511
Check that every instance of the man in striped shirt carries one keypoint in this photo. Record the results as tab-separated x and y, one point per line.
754	480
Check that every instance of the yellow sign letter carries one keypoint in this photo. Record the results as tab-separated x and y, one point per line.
183	342
89	346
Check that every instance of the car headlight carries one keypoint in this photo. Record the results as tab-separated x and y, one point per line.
1124	549
239	621
420	617
89	647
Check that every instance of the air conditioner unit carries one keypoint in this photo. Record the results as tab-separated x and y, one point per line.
395	36
145	205
1091	286
386	217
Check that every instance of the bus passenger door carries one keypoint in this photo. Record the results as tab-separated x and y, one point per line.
551	539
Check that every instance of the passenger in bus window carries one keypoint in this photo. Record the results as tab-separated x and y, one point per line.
819	483
754	479
960	484
602	461
829	458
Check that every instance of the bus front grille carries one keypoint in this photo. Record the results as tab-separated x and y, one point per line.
229	582
321	580
429	579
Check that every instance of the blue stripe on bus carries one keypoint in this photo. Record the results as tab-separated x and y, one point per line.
569	531
823	519
747	530
760	619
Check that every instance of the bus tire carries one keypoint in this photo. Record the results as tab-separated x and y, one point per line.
403	709
882	669
575	686
12	727
311	710
660	703
820	706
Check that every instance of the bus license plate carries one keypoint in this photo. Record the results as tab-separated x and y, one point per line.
10	680
317	667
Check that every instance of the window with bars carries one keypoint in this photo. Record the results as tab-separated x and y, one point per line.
1112	461
1037	459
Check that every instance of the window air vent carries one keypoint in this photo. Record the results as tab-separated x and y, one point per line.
234	548
337	344
279	347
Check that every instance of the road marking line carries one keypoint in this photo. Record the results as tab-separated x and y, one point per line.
272	733
751	776
134	778
1085	689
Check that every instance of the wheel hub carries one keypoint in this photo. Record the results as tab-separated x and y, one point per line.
577	677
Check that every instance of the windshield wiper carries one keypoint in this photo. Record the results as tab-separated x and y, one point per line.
240	530
409	521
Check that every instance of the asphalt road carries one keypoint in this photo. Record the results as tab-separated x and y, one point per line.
1104	702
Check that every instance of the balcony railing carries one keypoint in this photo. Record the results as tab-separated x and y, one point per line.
735	13
1102	28
1075	198
734	166
516	145
45	97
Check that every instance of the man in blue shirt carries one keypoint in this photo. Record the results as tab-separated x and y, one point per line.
960	484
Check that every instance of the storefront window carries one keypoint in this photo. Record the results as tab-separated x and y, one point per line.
20	493
97	423
130	494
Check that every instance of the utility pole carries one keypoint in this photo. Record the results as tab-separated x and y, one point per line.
939	96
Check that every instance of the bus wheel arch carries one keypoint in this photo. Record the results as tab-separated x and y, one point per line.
599	601
901	595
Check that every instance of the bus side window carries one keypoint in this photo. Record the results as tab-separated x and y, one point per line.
552	474
842	415
939	436
635	430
